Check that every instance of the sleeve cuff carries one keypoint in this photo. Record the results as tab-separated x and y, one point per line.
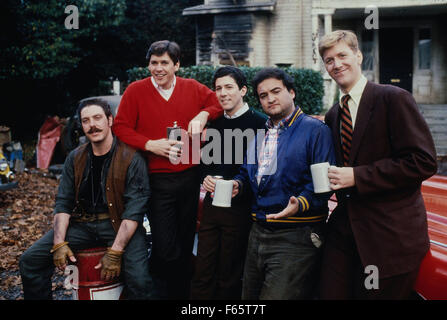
241	185
303	204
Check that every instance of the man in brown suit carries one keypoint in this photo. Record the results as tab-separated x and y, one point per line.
378	233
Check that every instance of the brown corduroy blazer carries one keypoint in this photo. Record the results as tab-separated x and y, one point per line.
392	153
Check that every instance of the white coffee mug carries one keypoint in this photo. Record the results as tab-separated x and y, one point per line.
222	193
320	177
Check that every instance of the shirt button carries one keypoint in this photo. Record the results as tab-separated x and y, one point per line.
110	204
348	196
113	221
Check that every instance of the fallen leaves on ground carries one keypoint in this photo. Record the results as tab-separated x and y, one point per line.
26	214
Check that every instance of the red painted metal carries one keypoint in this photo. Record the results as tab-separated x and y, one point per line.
432	279
91	287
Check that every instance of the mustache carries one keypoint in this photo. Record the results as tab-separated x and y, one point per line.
93	130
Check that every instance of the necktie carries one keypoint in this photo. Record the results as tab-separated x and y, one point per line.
346	129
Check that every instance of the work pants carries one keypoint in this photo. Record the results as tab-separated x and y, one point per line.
36	263
281	264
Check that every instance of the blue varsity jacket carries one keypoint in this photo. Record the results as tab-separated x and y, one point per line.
303	142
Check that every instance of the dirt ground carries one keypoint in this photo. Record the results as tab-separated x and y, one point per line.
26	213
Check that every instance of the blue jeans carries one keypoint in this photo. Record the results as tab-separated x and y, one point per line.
281	264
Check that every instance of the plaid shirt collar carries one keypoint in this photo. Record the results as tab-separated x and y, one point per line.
269	147
286	122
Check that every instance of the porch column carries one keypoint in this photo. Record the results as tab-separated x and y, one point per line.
315	36
327	13
328	23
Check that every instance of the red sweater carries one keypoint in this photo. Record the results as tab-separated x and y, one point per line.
144	114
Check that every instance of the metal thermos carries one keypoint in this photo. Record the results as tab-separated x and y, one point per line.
175	133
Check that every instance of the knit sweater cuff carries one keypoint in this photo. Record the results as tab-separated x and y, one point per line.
303	204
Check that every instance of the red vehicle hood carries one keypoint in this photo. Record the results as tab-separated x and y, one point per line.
432	279
434	191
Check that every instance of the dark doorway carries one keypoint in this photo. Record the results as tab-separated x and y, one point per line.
396	57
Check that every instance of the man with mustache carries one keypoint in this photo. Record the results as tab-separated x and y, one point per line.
102	198
148	107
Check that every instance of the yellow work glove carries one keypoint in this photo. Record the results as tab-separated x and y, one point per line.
61	252
111	264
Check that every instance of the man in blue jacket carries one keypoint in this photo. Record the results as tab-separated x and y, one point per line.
289	218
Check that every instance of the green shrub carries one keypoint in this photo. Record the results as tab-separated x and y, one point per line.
309	89
203	74
137	73
308	83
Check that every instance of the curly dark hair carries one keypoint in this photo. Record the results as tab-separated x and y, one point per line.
97	102
269	73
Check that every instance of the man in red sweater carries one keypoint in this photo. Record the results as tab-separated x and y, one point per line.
147	108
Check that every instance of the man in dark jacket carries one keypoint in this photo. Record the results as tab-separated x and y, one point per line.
102	198
377	235
223	233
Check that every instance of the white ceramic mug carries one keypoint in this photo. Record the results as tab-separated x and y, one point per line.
320	177
222	193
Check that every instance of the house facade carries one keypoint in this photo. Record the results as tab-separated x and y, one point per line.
403	41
